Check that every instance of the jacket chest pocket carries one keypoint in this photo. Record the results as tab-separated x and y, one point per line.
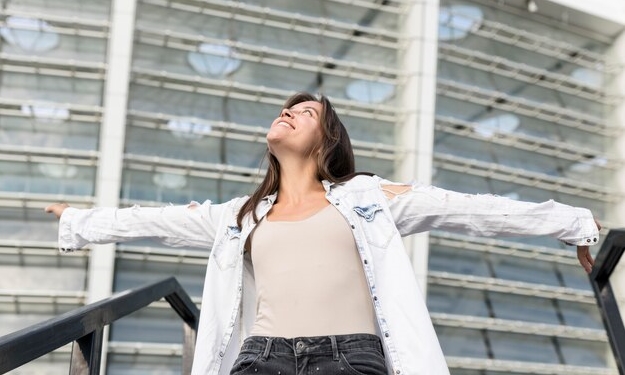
378	228
226	253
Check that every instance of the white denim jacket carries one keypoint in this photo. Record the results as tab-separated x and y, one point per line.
403	322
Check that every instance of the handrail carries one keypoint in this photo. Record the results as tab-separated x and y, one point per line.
606	261
84	327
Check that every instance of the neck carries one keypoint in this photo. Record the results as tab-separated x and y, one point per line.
298	180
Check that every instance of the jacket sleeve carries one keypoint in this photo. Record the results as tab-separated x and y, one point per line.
422	208
191	225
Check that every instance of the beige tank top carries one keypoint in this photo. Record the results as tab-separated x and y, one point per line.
309	280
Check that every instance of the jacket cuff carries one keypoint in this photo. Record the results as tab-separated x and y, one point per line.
66	240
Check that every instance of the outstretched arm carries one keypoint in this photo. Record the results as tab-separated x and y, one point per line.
417	208
192	225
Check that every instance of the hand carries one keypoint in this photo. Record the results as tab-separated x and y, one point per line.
57	209
585	259
583	254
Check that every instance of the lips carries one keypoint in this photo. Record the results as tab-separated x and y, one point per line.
285	124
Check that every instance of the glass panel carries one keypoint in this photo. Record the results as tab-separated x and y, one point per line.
27	224
93	9
515	307
457	301
529	126
581	315
208	149
574	276
42	278
37	132
154	325
458	261
515	347
123	364
143	186
336	11
584	353
540	30
526	270
46	178
494	82
20	86
460	342
159	18
380	167
133	273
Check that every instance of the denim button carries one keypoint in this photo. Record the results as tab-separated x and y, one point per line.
299	346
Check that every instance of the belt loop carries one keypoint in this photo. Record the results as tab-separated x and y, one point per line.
335	348
267	347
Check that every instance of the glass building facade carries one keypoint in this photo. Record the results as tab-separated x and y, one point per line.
154	102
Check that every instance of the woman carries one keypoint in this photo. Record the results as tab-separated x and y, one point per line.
309	274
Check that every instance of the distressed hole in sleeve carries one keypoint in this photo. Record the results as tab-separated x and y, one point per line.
392	191
193	205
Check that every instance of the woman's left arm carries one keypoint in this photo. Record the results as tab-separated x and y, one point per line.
417	208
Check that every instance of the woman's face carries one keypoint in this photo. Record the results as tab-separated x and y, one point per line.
297	129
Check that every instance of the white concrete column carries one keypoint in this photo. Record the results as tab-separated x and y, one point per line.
616	215
415	135
112	135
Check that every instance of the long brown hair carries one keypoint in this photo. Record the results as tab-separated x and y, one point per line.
335	161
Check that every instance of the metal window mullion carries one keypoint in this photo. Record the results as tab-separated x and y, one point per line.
518	327
532	42
499	247
146	251
270	56
54	67
56	155
286	21
159	258
254	93
250	133
524	107
144	349
523	177
192	168
510	287
524	73
36	200
77	26
523	367
385	6
556	149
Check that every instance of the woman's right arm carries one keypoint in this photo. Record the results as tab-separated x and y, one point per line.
191	225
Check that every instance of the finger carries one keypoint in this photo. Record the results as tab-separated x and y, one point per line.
598	224
589	258
583	255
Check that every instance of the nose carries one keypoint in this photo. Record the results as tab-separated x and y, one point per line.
286	112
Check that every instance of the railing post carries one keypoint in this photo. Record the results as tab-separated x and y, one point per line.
188	348
87	354
606	261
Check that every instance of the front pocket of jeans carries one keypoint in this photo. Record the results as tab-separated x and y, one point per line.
363	362
244	362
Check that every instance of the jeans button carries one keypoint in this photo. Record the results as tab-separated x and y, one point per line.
299	346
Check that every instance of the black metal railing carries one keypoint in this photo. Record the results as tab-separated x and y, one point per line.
83	327
607	259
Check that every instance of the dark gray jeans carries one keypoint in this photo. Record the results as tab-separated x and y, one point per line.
356	354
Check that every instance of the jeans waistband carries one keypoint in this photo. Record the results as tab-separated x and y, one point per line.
300	346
